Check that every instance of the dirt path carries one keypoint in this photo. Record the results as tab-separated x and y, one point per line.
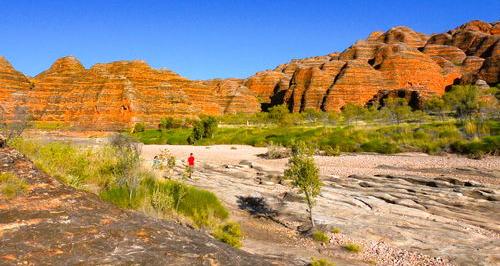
406	209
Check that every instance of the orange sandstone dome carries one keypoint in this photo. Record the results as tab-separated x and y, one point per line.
117	95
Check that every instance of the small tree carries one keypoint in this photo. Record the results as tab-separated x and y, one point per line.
210	125
139	127
465	100
312	115
304	175
166	123
352	112
436	105
398	108
14	127
205	128
281	115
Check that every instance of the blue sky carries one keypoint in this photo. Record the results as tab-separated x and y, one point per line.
210	39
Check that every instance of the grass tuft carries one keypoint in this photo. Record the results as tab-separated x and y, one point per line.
11	185
229	233
321	262
336	230
352	247
320	236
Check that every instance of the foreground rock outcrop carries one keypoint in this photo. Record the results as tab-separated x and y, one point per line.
52	224
117	95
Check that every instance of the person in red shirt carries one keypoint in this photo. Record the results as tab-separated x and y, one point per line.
191	164
191	160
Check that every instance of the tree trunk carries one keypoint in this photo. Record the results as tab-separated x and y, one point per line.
309	204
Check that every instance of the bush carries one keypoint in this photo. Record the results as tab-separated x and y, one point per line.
201	206
380	146
336	230
121	197
205	128
139	127
277	152
229	233
11	186
477	149
465	100
320	236
352	247
169	123
331	151
321	262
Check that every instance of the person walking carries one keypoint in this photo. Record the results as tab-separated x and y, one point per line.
191	164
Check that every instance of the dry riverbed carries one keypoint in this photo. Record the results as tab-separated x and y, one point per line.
404	209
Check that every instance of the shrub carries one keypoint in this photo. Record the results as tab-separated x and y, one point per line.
122	197
331	151
277	152
336	230
320	236
321	262
229	233
465	100
352	247
380	146
168	123
11	186
352	112
398	109
205	128
139	127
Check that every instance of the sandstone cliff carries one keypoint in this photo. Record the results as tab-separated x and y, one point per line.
117	95
399	59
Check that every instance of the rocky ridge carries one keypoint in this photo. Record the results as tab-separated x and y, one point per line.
117	95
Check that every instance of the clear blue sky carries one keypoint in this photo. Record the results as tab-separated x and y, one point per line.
209	39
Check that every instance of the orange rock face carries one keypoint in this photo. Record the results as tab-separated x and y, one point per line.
117	95
399	59
14	88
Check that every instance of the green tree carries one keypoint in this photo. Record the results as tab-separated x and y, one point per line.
210	125
312	115
398	108
465	100
204	128
281	115
304	174
166	123
352	112
139	127
436	105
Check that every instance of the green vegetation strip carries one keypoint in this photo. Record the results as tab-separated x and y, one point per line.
475	138
114	173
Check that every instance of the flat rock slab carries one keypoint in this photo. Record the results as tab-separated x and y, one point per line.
441	217
52	224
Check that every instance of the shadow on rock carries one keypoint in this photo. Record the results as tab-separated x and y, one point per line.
256	206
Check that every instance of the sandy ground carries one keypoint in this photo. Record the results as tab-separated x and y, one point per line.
485	170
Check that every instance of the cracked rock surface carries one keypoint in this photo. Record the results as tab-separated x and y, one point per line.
443	209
